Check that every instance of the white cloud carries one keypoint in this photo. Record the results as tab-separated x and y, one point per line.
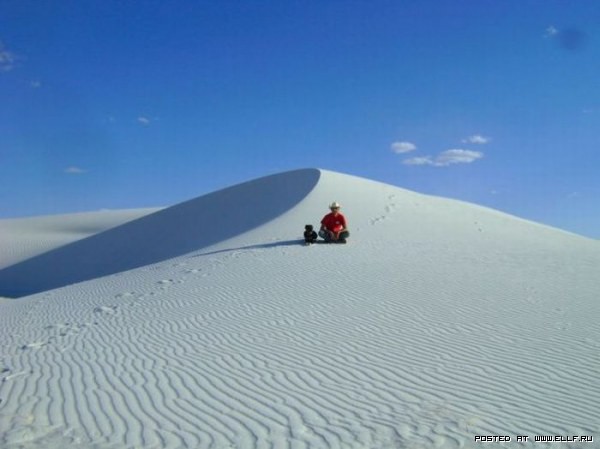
144	120
551	31
75	170
456	156
403	147
445	158
35	84
424	160
477	139
7	59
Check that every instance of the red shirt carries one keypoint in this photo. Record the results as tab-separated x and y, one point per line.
334	223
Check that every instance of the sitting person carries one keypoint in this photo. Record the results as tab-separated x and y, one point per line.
310	236
333	225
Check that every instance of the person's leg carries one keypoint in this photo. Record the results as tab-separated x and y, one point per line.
324	234
343	236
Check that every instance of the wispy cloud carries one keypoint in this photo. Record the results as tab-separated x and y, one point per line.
72	170
551	31
35	84
402	147
7	59
477	139
423	160
143	120
446	158
457	156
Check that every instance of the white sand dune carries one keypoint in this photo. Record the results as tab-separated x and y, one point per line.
23	238
162	235
439	321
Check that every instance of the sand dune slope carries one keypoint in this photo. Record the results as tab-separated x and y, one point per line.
24	238
164	234
438	321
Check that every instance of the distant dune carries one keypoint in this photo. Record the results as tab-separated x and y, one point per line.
23	238
208	325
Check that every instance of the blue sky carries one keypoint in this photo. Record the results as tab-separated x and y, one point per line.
123	104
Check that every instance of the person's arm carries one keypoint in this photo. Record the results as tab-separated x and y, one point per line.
344	226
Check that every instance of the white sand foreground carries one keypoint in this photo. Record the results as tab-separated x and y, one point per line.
437	322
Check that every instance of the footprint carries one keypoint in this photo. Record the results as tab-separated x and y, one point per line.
34	345
25	432
110	310
13	375
63	329
124	295
377	219
166	282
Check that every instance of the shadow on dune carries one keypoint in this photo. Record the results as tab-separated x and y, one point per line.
296	242
171	232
